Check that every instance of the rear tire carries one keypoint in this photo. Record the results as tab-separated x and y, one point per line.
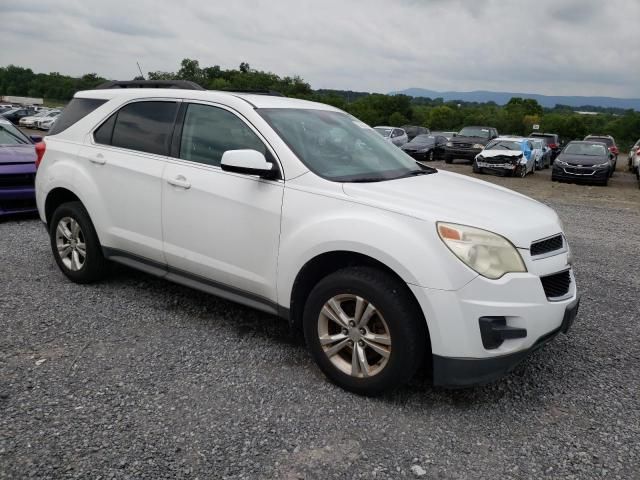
340	336
75	244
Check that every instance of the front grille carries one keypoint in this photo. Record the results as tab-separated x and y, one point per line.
462	145
18	180
579	171
556	285
547	245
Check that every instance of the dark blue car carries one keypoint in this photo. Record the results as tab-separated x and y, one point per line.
17	170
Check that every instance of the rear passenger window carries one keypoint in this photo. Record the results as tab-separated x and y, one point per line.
143	126
208	132
77	109
105	131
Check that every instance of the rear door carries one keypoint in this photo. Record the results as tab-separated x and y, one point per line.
126	159
220	228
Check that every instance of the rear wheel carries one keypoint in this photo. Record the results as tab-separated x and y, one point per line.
364	330
75	244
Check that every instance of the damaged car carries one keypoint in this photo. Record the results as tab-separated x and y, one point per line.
506	156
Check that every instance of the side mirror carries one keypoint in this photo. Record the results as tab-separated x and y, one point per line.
249	162
35	138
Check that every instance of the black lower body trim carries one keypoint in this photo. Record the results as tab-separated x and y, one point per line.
467	372
195	281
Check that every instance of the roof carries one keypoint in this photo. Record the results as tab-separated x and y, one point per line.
257	101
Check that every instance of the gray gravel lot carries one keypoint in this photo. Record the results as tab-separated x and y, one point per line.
139	378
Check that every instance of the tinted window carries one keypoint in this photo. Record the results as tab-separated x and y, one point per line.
78	108
208	132
105	131
145	126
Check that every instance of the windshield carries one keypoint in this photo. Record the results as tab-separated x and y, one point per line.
10	135
474	132
589	149
385	132
514	145
339	147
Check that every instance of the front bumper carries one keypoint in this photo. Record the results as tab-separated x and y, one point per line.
576	174
463	372
464	153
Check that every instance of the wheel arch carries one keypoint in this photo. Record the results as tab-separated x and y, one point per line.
56	197
327	263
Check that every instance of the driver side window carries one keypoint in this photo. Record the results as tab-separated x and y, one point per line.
208	132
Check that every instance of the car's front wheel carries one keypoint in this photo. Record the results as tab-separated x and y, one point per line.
75	244
364	330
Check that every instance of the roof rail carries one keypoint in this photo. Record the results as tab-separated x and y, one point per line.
271	93
181	84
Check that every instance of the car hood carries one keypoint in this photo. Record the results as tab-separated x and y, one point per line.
17	154
417	146
581	159
462	139
450	197
501	153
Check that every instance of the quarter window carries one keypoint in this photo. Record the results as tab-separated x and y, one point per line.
141	126
208	132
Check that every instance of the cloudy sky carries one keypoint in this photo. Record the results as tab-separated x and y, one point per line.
561	47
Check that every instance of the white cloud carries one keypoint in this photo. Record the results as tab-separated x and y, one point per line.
585	47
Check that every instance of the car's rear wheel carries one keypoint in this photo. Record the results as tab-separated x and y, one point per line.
364	330
75	244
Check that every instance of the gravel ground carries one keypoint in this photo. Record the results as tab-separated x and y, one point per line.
139	378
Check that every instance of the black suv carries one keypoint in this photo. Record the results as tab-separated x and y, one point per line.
468	143
552	140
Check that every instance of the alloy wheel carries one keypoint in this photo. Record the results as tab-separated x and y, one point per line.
70	243
354	335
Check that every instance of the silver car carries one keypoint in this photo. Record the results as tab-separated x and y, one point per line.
395	135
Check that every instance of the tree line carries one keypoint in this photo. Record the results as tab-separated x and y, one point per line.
516	117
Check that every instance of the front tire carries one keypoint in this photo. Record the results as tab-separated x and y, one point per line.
75	244
364	330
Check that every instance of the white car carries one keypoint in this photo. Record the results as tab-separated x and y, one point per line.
394	135
301	210
30	122
634	157
46	122
506	156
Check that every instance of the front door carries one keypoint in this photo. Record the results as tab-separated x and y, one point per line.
220	228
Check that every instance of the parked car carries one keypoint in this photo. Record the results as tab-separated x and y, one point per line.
507	156
17	170
610	142
468	143
585	162
30	122
16	114
541	153
414	130
300	210
425	147
552	140
634	157
447	135
397	136
45	123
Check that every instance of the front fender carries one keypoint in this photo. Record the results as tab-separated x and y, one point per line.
316	224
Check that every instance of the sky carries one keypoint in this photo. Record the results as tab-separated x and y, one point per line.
553	47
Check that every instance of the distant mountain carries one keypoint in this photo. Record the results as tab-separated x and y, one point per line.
548	101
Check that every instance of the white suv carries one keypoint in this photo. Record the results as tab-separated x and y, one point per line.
301	210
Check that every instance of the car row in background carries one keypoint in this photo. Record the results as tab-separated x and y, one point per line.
468	143
634	157
426	147
35	121
395	135
29	117
17	170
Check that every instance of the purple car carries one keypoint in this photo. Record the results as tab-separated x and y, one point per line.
17	170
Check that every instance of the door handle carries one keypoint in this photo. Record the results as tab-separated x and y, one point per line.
180	181
98	159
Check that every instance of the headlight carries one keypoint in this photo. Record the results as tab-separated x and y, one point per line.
478	145
449	144
605	164
560	162
487	253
